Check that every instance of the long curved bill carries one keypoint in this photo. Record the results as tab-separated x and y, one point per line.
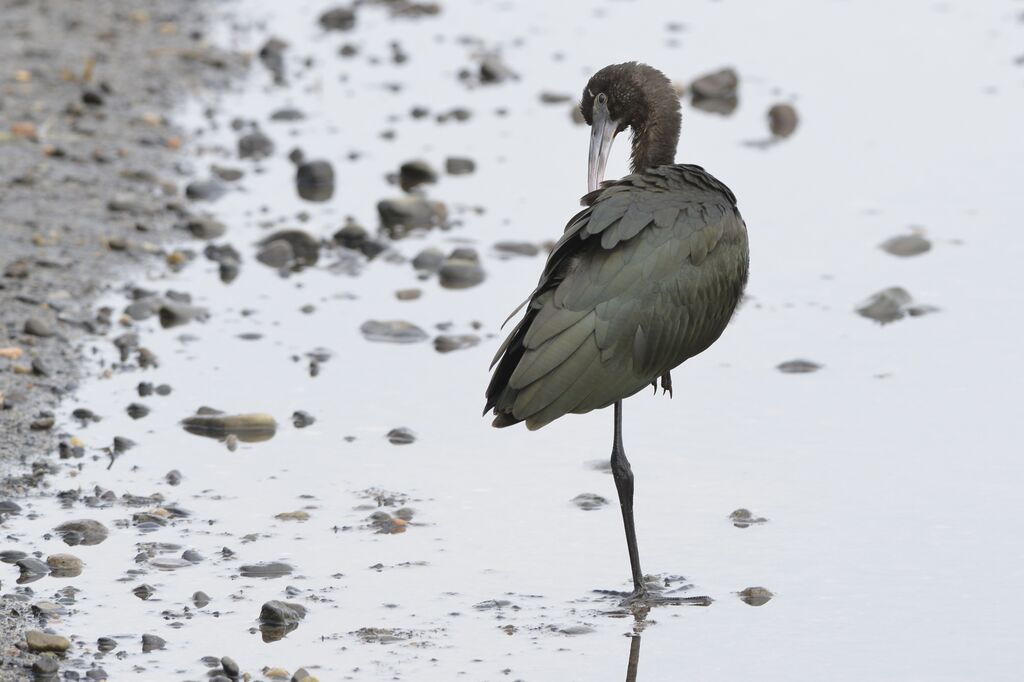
602	134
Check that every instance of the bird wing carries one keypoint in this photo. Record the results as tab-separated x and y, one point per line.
630	290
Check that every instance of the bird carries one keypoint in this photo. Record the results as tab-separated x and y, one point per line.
647	275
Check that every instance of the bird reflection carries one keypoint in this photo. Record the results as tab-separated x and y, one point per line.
634	658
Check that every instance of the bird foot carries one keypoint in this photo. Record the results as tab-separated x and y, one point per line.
645	597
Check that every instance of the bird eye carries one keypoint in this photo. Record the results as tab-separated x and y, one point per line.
602	98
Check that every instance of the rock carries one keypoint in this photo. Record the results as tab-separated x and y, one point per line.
255	145
200	599
276	254
402	215
305	249
494	70
39	326
392	331
287	115
589	501
176	314
205	228
44	421
574	630
301	419
744	518
39	641
292	516
143	591
460	273
64	565
9	507
173	477
756	596
459	165
351	235
446	343
152	643
716	92
106	644
192	556
249	428
414	173
229	666
555	98
266	569
137	410
281	613
517	248
798	367
401	436
12	556
890	305
45	667
782	120
315	180
906	245
272	56
31	569
82	532
408	294
210	189
338	19
429	259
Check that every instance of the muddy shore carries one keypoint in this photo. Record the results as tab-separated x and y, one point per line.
89	192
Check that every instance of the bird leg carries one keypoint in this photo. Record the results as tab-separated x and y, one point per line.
666	383
623	475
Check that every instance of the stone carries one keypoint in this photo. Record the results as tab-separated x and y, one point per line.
266	569
82	532
459	165
39	326
281	613
401	436
152	643
756	596
798	367
906	245
589	501
255	145
411	174
39	641
402	215
429	259
276	254
460	273
338	19
205	228
392	331
314	180
305	249
446	343
64	565
210	189
782	120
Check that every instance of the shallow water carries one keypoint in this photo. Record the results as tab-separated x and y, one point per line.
889	477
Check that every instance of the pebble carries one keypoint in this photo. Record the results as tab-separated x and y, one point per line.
404	214
152	643
906	245
411	174
744	518
459	165
205	228
401	436
9	507
174	314
890	305
716	92
210	189
315	180
288	115
517	248
64	565
429	259
589	501
229	666
494	70
798	367
173	477
144	591
446	343
276	254
338	19
137	410
266	569
782	120
39	326
756	596
304	248
200	599
460	273
301	419
392	331
106	644
250	427
408	294
272	56
292	516
255	145
82	532
281	613
40	641
31	569
46	667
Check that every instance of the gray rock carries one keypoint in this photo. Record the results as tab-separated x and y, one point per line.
494	70
744	518
460	273
82	532
39	641
517	248
176	314
459	165
173	477
756	596
205	228
798	367
401	436
782	120
429	259
276	254
446	343
152	643
305	249
231	668
106	644
338	19
39	326
137	410
255	145
716	92
287	115
301	419
64	565
392	331
200	599
9	507
266	569
143	591
906	245
315	180
414	173
890	305
31	569
589	501
45	667
210	189
402	215
272	56
281	613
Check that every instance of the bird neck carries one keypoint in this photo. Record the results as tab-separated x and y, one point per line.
654	141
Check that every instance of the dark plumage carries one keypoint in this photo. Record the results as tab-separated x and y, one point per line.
647	275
